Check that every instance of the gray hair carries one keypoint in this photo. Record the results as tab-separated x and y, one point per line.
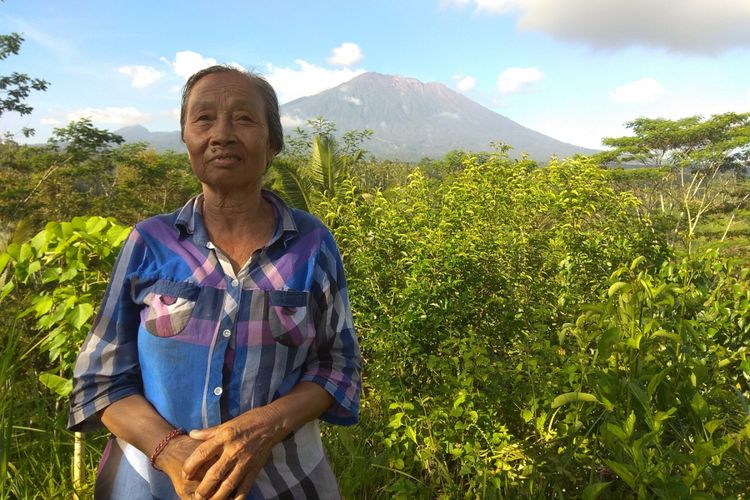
270	101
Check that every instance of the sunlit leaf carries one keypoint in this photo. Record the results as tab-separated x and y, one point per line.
572	397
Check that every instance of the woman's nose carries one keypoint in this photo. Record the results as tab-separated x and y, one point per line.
223	131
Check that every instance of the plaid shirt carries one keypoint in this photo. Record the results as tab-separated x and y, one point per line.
204	345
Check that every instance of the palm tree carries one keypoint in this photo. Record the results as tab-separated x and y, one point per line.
304	186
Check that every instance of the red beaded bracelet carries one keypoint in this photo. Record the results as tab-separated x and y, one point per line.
163	443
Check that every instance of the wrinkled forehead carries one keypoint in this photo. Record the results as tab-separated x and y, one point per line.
224	88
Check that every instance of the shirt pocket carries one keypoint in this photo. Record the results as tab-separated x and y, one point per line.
169	307
289	317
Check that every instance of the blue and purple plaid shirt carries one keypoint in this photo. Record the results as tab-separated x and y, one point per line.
204	345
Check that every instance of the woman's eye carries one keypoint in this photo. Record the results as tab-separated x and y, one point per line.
244	118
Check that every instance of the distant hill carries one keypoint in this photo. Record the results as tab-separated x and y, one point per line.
410	119
161	141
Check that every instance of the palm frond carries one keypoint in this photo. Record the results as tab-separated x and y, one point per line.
294	188
327	169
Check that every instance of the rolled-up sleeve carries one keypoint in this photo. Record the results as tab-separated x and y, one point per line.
334	360
107	368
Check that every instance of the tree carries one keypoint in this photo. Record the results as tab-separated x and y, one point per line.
303	186
692	152
695	142
315	165
82	140
16	87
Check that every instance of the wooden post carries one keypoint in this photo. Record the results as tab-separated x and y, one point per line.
78	466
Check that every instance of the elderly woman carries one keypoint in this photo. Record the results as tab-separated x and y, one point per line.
225	333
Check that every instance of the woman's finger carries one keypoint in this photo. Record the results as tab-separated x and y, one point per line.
201	456
203	434
245	486
221	483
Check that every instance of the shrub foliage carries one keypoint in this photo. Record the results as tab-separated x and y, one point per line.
526	331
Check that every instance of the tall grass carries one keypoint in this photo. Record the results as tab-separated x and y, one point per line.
35	447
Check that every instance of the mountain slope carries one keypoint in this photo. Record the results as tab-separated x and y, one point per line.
412	119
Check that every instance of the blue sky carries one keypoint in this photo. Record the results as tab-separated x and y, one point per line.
576	70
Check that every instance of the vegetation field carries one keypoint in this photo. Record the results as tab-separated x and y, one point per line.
556	331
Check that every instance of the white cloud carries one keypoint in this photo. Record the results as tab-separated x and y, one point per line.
353	100
465	83
514	80
444	4
52	122
643	90
111	115
496	6
142	76
586	131
346	54
448	114
290	121
689	26
306	79
187	62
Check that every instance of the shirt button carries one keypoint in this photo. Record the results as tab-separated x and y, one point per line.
218	391
235	282
226	333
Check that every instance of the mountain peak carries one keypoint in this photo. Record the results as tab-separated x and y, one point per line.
412	119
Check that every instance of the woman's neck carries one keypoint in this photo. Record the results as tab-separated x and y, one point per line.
238	225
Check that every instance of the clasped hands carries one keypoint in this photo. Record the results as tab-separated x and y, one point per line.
222	461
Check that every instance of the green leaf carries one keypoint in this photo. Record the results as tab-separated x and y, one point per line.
117	234
25	252
94	225
640	395
655	381
629	425
667	335
636	262
700	406
607	342
34	266
616	287
5	290
80	315
43	305
713	425
571	397
4	259
39	242
411	434
61	386
592	491
624	471
395	422
14	250
617	431
459	399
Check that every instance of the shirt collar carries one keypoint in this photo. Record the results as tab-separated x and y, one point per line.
190	222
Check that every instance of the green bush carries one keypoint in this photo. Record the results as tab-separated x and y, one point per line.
526	332
458	292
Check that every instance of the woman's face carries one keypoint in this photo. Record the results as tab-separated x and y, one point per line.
226	133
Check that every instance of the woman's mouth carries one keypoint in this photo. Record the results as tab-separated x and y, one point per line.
224	160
